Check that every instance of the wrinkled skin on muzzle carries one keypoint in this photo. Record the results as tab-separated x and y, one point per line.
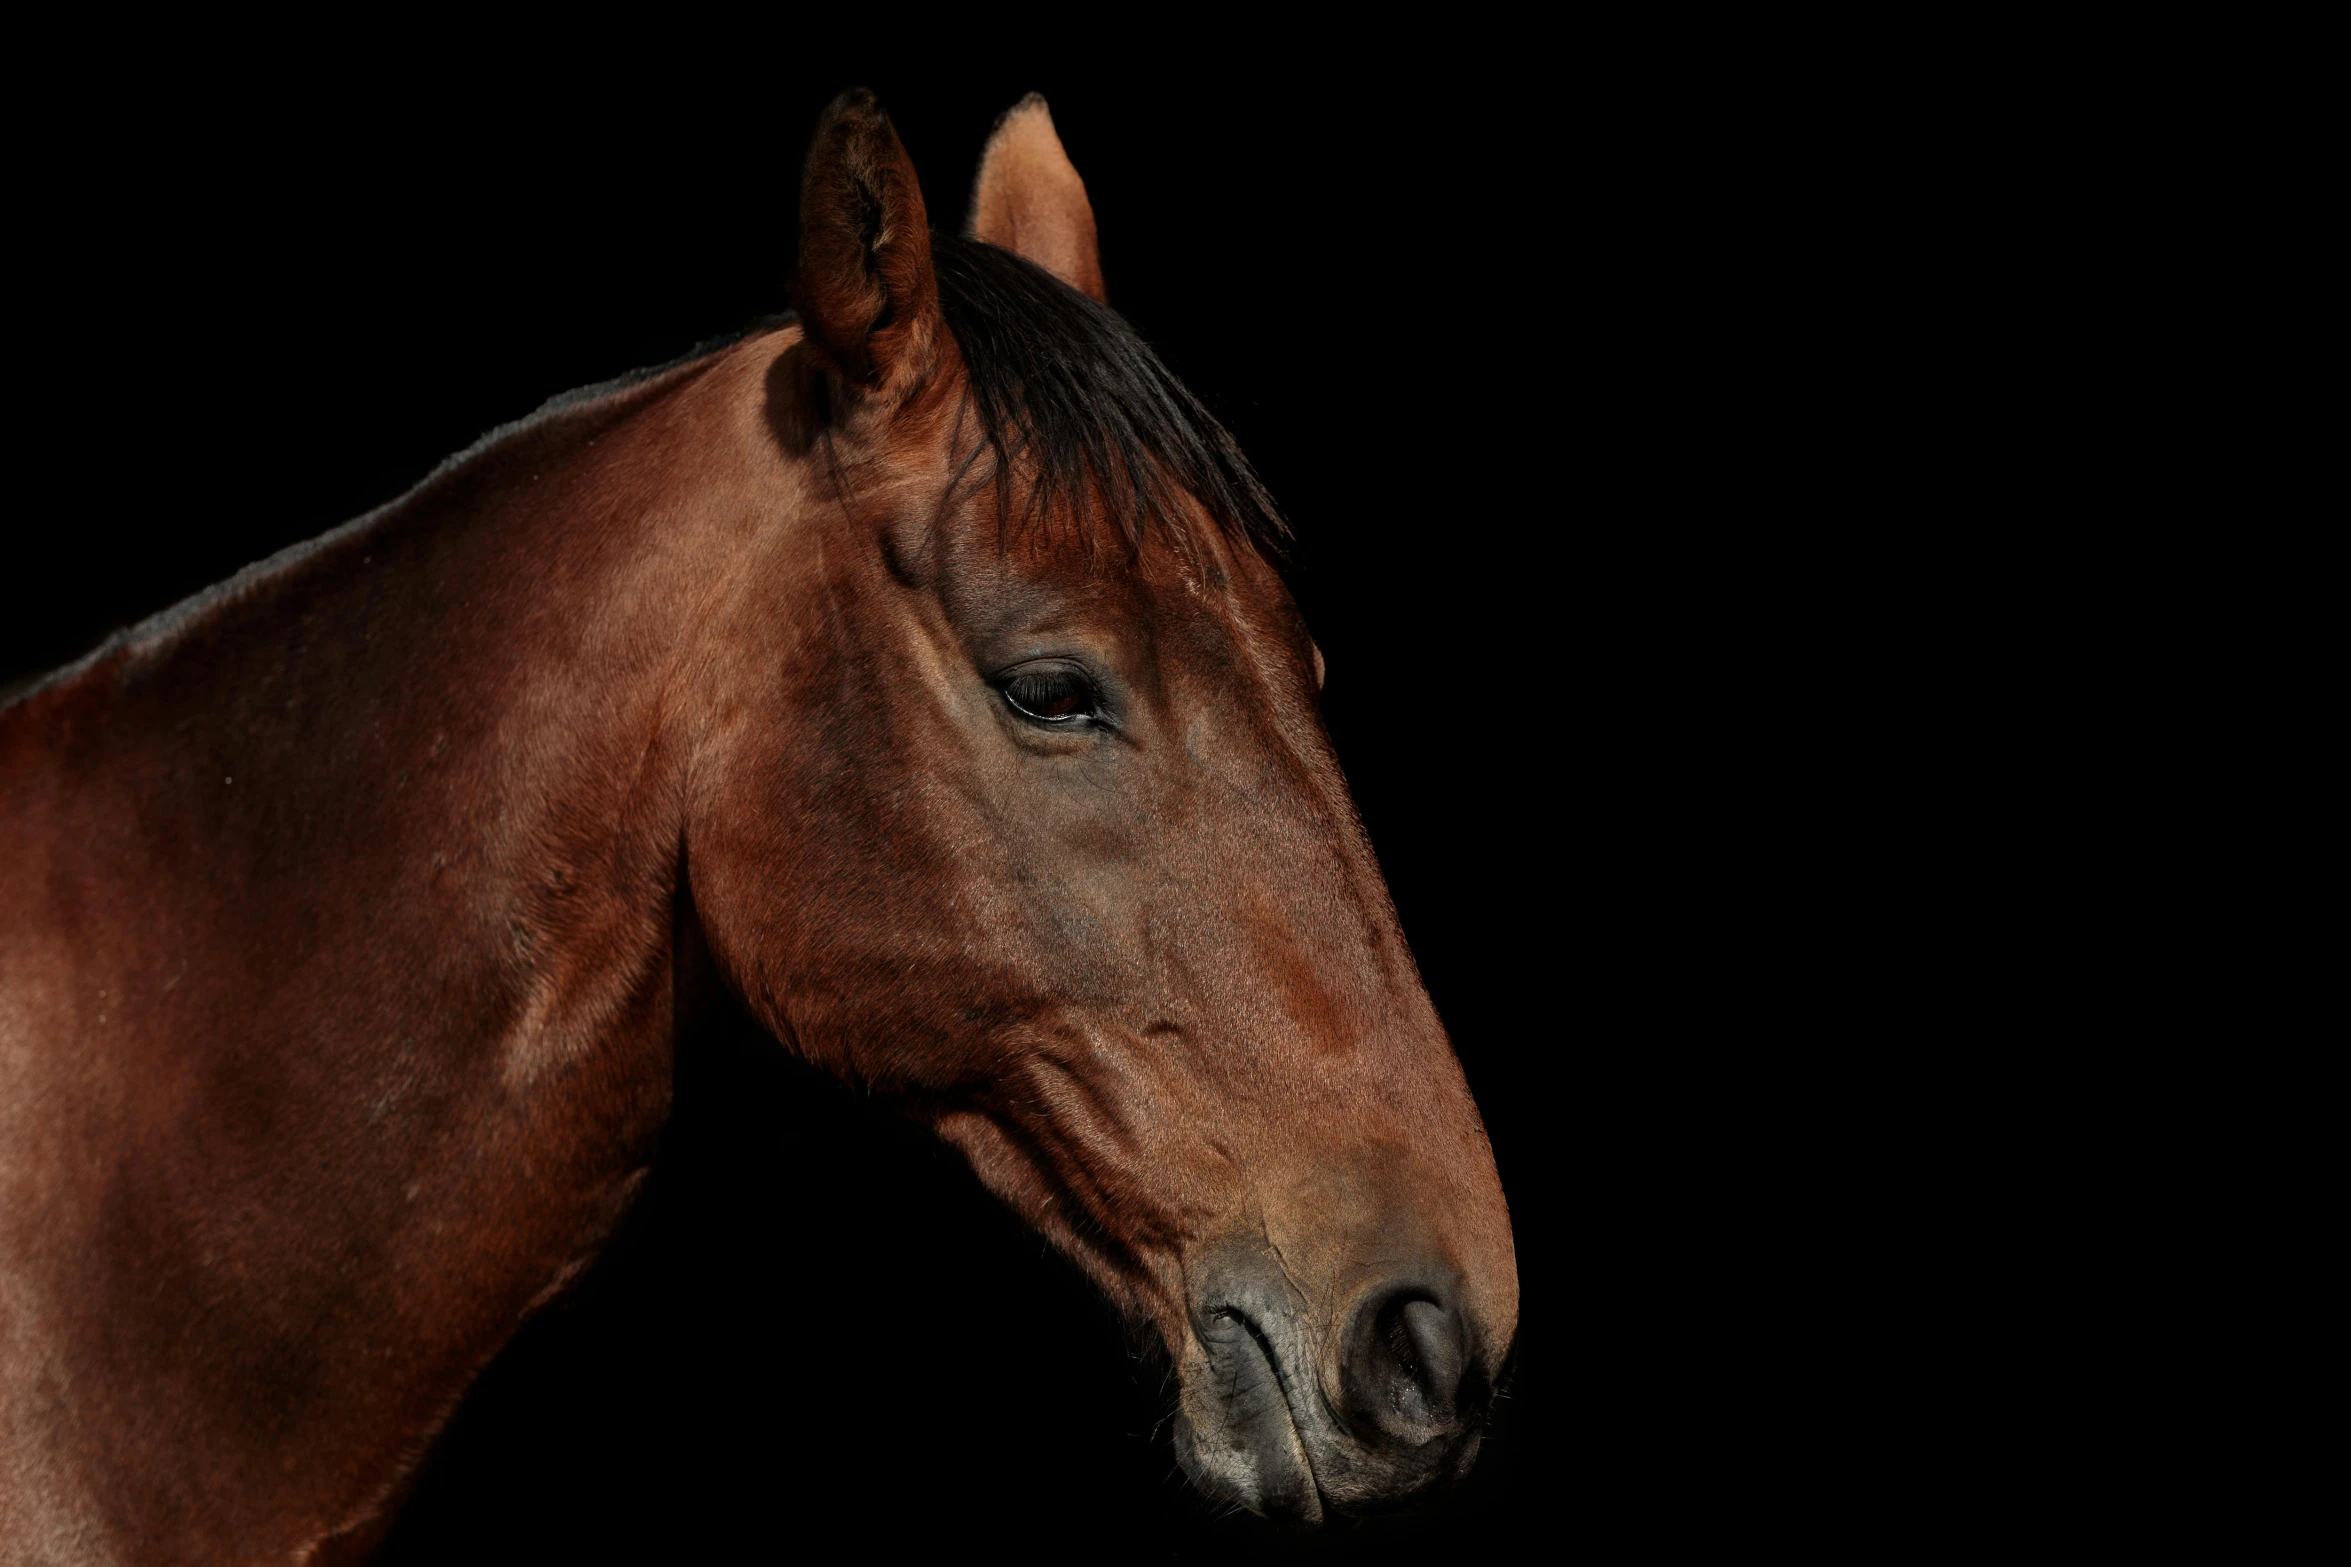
1340	1370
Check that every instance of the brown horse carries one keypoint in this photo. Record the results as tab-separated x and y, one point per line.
914	670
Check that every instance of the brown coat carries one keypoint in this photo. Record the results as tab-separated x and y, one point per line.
348	916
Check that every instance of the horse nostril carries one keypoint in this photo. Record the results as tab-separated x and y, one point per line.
1406	1370
1433	1338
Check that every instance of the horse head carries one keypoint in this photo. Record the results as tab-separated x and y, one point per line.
1014	804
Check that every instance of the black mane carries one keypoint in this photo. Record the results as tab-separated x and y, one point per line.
1062	385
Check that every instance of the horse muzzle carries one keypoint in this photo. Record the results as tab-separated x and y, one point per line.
1292	1407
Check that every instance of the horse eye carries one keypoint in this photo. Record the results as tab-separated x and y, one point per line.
1051	696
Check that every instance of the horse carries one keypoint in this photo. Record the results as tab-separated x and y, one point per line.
914	671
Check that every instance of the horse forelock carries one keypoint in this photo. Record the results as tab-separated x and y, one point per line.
1070	424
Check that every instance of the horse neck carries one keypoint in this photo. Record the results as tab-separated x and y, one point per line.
478	682
340	921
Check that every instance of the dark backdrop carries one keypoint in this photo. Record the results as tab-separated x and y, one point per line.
1468	344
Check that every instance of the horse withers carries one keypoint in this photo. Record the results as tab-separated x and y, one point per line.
914	670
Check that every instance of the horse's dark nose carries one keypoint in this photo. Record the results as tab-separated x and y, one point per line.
1289	1407
1407	1369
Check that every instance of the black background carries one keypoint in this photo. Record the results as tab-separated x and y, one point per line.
1482	339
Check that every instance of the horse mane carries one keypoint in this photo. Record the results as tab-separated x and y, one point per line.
1062	386
1065	393
1059	383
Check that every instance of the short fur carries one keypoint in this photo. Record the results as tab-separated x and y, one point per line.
1029	199
349	916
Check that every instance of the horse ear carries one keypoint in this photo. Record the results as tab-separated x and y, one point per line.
1028	198
865	290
